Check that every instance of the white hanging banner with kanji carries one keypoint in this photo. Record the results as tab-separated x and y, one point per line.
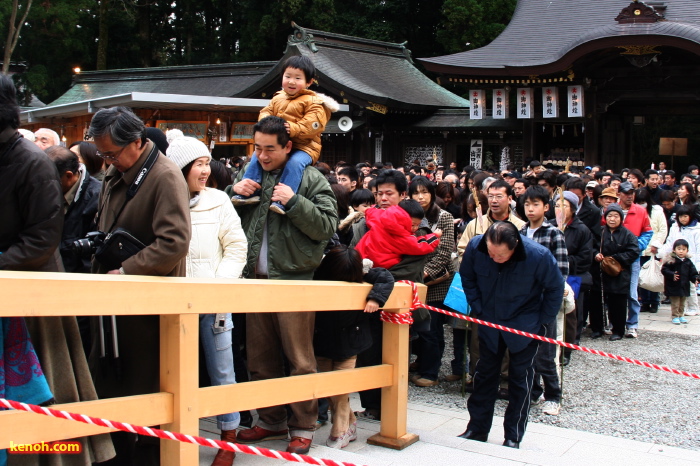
500	104
525	104
575	101
550	102
478	98
476	152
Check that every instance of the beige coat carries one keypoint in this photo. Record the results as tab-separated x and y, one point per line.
475	228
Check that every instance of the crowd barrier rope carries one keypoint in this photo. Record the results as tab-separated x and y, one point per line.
407	319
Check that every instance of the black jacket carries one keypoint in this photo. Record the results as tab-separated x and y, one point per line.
31	210
688	274
623	247
340	335
590	216
79	220
579	247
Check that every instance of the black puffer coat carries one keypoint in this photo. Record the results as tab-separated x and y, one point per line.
340	335
622	245
687	274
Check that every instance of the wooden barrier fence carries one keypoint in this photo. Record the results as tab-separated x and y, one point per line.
181	403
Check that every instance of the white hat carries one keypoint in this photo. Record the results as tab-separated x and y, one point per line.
184	149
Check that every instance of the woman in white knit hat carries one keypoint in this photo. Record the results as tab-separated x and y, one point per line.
218	249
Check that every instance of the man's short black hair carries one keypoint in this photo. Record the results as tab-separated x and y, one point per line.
523	181
549	177
65	159
413	208
535	193
9	108
670	173
350	172
650	172
273	125
692	167
360	197
301	63
394	177
501	184
503	233
575	183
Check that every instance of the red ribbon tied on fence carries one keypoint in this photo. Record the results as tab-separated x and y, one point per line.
407	319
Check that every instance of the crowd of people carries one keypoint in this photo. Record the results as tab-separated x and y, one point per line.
526	241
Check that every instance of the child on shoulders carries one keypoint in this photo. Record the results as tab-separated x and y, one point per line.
306	114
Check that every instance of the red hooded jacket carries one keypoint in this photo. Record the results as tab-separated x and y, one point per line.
389	237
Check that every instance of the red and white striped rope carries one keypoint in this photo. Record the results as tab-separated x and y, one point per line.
406	319
164	434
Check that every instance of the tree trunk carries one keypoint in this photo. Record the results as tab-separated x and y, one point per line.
13	33
103	36
144	14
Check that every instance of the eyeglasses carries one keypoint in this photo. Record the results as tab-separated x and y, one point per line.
113	156
497	197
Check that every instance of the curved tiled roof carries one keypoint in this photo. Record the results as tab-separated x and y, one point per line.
543	36
367	70
222	80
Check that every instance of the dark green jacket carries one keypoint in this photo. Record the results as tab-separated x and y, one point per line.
295	241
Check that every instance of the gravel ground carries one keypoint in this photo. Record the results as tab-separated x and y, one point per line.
609	397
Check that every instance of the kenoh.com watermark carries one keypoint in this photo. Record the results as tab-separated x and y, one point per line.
46	448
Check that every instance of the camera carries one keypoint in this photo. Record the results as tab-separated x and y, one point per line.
87	246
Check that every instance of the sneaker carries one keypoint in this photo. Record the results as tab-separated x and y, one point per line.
258	434
278	208
691	313
551	408
676	320
352	432
538	401
683	320
338	442
631	333
299	445
422	382
239	200
608	329
319	424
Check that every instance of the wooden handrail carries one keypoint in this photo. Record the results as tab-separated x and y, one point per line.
181	402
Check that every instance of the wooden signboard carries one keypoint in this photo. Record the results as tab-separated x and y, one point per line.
673	146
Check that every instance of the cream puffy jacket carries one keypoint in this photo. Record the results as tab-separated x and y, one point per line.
218	248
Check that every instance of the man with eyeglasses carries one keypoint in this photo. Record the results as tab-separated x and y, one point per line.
348	177
159	217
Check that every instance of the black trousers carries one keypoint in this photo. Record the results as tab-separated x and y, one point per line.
372	399
486	377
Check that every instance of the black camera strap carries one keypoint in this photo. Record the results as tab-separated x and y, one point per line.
136	184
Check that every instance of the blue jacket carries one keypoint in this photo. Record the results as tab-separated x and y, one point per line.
524	293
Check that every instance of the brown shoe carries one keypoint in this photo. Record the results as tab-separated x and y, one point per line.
258	434
453	377
299	445
421	382
225	457
413	367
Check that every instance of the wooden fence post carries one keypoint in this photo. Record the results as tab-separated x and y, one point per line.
392	433
179	369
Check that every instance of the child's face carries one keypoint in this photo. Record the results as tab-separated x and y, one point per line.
684	219
363	207
535	209
681	251
415	223
293	81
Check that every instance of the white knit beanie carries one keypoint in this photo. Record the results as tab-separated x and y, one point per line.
184	149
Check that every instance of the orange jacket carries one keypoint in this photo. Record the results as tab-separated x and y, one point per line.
307	114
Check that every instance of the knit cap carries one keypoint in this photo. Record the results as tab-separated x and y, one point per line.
614	208
184	149
569	196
